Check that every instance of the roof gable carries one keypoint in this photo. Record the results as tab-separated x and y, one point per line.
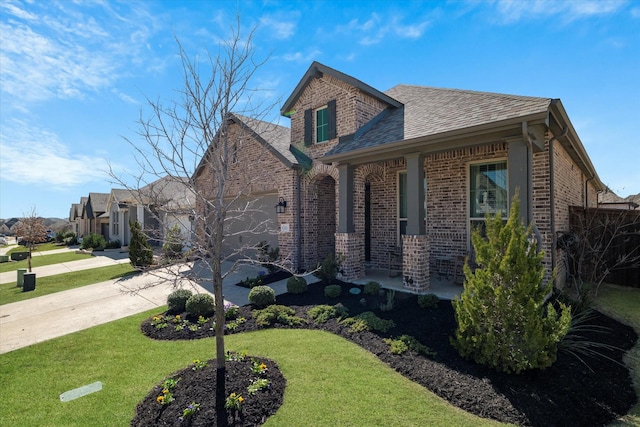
316	70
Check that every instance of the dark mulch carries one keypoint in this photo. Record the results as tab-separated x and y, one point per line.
567	393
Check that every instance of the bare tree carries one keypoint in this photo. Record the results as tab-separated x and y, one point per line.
192	147
602	244
33	231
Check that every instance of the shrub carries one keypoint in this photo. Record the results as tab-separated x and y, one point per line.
296	285
368	321
113	244
173	246
406	342
277	314
333	291
177	300
140	252
93	241
200	305
262	296
372	288
231	311
388	306
328	269
253	282
396	346
322	313
503	321
428	301
268	256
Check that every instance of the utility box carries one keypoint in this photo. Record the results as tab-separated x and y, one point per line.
29	282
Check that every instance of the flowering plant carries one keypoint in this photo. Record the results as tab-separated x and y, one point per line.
191	409
257	385
234	401
258	367
198	364
167	387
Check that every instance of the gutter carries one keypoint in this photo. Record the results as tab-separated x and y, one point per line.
552	198
299	220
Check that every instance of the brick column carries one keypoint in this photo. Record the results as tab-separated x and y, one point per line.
350	248
415	262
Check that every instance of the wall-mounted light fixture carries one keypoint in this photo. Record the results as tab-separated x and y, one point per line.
281	206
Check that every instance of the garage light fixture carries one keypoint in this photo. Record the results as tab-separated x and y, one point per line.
281	206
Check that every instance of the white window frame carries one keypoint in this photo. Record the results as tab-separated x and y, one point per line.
315	124
473	220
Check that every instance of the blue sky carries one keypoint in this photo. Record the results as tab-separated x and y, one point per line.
74	75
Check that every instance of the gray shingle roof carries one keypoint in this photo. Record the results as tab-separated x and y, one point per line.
431	111
278	137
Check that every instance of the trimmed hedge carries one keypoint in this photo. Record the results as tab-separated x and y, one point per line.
262	296
200	305
177	300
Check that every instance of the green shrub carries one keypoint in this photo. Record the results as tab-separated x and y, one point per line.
322	313
177	300
414	345
253	282
372	288
388	306
231	311
200	305
268	256
296	285
333	291
262	296
113	244
368	321
277	314
328	269
173	246
428	301
396	346
503	321
93	241
140	252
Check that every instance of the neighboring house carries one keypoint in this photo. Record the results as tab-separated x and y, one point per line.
412	168
95	210
611	200
75	217
157	207
83	218
123	207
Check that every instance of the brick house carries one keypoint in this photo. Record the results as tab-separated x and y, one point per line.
366	173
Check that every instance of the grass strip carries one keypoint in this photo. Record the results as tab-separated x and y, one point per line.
9	292
330	381
623	304
39	261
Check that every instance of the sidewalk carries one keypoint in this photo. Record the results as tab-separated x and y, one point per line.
50	316
99	259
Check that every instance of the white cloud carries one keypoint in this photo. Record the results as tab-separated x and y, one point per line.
31	155
376	28
278	26
510	11
302	57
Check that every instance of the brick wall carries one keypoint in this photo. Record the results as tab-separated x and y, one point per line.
253	169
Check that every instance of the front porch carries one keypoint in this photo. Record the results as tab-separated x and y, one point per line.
442	286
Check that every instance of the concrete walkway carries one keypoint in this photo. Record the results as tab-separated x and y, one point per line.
50	316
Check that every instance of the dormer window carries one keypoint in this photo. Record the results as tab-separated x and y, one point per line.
322	124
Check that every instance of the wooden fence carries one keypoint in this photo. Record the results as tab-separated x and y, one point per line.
606	239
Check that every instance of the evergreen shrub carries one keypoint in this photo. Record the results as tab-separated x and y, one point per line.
503	318
177	300
262	296
333	291
200	305
296	285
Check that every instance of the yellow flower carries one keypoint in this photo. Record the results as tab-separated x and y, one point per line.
263	367
240	399
160	399
155	318
165	391
178	316
196	361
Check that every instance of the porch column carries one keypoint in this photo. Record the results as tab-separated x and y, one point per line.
415	244
345	199
415	194
349	244
519	172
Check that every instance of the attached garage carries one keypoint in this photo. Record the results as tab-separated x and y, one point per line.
252	220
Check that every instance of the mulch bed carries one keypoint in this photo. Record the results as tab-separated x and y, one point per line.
567	393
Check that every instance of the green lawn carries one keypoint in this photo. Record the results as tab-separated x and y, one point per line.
42	247
330	381
623	303
39	261
9	292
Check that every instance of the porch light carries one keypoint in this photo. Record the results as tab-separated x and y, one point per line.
281	206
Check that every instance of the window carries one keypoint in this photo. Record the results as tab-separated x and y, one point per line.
114	222
402	204
488	190
322	124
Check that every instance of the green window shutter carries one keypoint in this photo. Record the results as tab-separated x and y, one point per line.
331	106
308	127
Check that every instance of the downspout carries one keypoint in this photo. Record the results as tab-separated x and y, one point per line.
299	220
552	197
